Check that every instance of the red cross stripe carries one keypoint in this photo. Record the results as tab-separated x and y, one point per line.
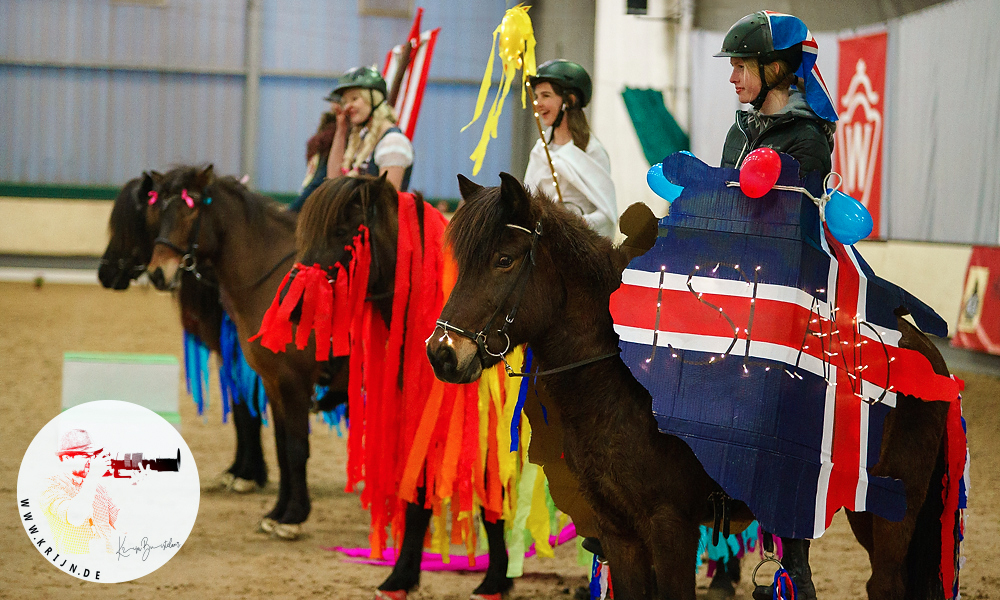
748	321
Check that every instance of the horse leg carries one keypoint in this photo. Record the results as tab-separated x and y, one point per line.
727	576
296	401
280	436
496	580
674	547
795	560
911	449
629	560
406	572
249	465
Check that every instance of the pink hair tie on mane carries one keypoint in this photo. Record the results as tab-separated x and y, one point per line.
187	199
152	198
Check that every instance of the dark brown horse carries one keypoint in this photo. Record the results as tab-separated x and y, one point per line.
522	256
330	219
129	250
249	242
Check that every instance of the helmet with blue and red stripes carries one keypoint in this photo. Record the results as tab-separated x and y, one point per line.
768	36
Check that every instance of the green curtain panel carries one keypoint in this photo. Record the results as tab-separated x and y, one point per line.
658	132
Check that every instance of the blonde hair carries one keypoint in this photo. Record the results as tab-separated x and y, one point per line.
382	119
781	78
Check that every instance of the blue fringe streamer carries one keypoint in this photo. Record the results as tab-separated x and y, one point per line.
333	418
522	396
196	370
239	382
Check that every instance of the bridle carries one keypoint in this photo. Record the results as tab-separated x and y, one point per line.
189	258
516	287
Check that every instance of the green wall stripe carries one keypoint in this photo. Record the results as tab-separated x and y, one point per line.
174	418
121	357
42	191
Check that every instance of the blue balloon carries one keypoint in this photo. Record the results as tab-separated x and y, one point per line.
848	219
659	184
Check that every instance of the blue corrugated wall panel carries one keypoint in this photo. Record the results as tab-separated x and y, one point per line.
103	126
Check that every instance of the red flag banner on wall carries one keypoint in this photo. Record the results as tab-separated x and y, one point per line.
979	316
861	108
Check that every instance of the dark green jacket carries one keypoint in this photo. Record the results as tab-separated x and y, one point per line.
794	130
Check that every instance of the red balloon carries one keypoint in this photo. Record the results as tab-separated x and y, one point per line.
760	172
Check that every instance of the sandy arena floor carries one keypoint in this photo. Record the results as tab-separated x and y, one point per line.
225	558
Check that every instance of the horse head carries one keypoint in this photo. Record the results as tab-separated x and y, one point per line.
335	213
525	263
177	214
130	246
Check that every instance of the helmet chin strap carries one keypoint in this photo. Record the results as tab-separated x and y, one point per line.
764	88
371	101
557	122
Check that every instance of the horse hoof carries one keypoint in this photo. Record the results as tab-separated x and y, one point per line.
242	486
397	595
287	531
720	593
266	525
225	479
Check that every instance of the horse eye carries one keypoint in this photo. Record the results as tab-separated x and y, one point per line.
505	262
341	232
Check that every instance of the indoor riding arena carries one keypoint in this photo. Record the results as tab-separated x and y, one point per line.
318	256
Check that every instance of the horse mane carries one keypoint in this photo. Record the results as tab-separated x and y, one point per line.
329	208
475	232
128	214
256	207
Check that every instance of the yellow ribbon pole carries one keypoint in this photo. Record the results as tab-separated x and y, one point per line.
514	39
541	135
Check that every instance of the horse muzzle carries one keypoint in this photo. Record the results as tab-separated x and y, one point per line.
455	359
163	267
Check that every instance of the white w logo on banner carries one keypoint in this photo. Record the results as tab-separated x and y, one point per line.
859	137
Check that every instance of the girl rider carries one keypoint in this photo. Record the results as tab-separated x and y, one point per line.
562	88
367	141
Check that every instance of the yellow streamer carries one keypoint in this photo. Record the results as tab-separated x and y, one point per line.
515	40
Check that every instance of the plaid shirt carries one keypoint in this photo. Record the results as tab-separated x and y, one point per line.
76	539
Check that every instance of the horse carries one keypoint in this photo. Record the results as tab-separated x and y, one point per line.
129	250
523	256
329	221
202	219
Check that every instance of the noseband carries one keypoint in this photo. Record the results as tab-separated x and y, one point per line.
516	287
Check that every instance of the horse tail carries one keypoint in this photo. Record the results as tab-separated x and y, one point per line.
923	558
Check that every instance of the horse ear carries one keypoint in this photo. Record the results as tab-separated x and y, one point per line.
466	187
147	184
206	177
639	226
512	192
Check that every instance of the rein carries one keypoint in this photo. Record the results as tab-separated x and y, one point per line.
518	286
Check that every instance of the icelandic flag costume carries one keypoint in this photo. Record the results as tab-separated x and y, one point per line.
771	349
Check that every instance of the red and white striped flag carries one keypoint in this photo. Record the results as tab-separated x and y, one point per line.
411	92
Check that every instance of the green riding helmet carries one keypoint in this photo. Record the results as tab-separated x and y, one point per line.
569	75
750	37
365	78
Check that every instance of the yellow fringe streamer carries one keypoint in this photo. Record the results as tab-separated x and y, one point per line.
516	49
